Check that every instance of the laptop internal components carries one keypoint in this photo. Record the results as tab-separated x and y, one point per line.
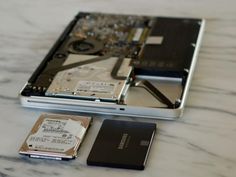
105	62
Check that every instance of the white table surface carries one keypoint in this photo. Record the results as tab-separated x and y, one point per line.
200	144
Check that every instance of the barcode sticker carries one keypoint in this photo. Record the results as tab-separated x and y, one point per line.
75	128
95	87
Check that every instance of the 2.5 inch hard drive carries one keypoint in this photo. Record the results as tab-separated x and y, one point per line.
131	65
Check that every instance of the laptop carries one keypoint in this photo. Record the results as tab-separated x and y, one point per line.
130	65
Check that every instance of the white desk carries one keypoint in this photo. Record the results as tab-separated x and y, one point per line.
201	143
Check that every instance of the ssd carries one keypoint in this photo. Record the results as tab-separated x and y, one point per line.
56	136
122	144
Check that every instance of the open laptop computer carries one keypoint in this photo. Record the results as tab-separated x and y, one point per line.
130	65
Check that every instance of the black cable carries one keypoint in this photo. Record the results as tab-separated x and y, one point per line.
155	92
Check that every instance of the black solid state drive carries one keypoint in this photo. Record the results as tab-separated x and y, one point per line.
122	144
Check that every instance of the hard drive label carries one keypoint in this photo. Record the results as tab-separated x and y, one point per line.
55	135
96	87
